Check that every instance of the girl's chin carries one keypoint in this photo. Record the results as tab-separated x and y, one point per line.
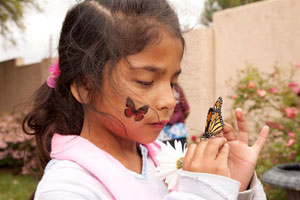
150	138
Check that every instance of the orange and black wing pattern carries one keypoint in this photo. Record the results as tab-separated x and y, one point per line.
214	122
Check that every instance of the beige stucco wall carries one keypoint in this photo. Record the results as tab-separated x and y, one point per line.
18	82
197	77
262	34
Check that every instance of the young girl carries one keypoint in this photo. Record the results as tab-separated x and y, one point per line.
97	116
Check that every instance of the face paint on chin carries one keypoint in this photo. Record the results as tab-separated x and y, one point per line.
132	111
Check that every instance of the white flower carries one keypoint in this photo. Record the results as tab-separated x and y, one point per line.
170	160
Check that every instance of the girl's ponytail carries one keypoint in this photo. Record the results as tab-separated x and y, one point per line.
51	113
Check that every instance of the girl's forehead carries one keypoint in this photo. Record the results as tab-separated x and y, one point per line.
167	51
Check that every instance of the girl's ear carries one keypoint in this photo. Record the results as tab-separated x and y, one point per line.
81	94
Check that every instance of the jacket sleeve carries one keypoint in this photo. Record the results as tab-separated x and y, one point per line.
255	192
62	195
202	186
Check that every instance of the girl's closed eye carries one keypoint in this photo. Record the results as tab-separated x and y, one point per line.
145	83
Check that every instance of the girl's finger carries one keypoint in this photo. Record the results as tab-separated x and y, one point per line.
199	151
243	133
228	132
222	161
213	147
223	154
188	157
261	140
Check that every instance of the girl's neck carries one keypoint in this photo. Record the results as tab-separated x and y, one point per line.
122	149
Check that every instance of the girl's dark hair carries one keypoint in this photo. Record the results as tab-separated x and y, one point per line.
93	33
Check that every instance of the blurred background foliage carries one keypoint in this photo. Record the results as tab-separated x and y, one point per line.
12	14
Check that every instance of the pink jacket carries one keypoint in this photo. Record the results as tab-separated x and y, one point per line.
84	153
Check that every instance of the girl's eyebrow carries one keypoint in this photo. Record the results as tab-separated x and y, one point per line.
155	70
177	72
150	69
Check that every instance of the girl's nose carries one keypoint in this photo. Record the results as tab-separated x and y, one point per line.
165	99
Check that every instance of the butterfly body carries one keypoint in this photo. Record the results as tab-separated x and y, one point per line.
214	122
132	111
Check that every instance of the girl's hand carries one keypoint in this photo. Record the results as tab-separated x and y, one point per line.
209	156
242	158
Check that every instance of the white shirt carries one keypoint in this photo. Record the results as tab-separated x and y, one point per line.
66	180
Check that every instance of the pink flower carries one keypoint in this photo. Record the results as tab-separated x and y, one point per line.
8	118
3	144
273	90
2	155
280	127
233	97
290	142
17	154
291	134
268	123
261	92
292	155
294	87
251	85
291	112
274	125
25	170
194	138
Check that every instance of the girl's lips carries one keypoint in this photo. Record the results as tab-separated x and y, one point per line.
159	125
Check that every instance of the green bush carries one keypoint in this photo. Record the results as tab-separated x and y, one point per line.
17	150
271	98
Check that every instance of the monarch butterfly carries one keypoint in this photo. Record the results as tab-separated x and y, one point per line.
214	122
131	110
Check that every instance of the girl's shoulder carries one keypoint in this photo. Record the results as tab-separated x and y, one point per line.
63	177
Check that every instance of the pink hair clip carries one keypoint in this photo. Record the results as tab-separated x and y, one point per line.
54	73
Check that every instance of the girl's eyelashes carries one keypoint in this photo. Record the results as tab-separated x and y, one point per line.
144	83
173	85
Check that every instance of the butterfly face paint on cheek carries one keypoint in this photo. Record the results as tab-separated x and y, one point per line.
132	111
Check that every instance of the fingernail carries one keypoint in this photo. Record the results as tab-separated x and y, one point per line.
238	112
239	109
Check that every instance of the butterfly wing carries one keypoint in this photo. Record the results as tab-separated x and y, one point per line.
218	104
216	124
143	109
130	110
139	114
139	117
214	121
208	119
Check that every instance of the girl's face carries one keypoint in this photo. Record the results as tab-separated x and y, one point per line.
149	82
